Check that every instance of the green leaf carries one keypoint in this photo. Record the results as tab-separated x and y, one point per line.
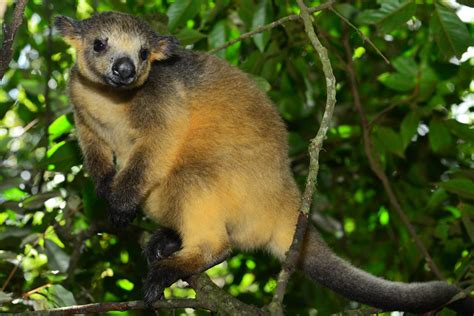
189	36
469	3
259	19
181	11
427	82
58	296
12	194
450	33
217	37
297	143
158	21
442	230
390	15
261	82
33	86
389	140
5	297
460	186
51	235
4	107
408	128
466	212
246	10
439	136
63	157
57	258
397	81
91	202
406	66
36	201
463	131
125	284
438	197
7	255
14	233
345	9
60	126
384	216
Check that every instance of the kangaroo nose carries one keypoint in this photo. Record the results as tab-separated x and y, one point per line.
124	68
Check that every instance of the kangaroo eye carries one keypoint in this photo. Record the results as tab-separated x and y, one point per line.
144	53
99	45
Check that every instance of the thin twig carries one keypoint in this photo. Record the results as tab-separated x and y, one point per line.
375	164
19	263
408	100
266	27
314	150
78	246
12	273
36	290
362	35
47	96
9	33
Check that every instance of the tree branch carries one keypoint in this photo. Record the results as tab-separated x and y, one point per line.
9	33
219	300
208	296
314	150
375	163
267	27
116	306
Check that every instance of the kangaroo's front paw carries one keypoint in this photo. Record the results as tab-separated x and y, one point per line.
121	201
103	185
121	218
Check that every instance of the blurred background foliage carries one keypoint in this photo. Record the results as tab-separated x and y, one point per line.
420	108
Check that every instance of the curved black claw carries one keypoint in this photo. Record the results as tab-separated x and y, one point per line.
159	277
162	244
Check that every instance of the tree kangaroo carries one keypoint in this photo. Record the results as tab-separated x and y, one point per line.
196	144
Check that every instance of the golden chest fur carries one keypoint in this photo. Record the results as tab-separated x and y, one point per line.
105	115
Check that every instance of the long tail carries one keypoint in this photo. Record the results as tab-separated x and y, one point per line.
323	266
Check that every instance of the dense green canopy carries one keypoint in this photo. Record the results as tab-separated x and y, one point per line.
419	109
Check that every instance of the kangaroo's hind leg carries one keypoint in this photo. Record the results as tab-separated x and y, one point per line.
204	244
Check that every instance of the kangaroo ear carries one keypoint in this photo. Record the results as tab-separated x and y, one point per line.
69	29
164	46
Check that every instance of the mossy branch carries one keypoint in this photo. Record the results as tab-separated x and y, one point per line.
314	150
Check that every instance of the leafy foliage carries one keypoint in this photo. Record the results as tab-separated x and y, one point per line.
419	106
